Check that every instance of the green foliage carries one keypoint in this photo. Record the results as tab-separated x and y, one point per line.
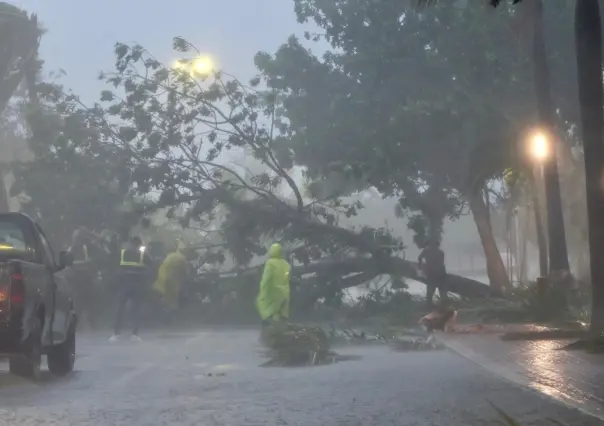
181	131
396	106
20	36
432	205
381	75
395	307
73	179
557	301
295	345
558	304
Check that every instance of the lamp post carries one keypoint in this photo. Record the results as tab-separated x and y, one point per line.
556	236
539	150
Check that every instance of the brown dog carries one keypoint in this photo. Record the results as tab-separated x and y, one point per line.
442	318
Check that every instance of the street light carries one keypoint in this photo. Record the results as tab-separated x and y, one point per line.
539	149
203	65
200	66
539	146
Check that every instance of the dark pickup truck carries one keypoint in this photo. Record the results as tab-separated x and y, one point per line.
37	314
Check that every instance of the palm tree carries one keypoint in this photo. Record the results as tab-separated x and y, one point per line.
19	42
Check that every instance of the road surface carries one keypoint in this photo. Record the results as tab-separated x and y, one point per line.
212	378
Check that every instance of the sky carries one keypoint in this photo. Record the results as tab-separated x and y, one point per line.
81	34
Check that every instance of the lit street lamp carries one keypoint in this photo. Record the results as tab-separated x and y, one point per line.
203	65
200	66
539	147
542	149
539	150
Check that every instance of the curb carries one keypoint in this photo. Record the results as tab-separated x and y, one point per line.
517	376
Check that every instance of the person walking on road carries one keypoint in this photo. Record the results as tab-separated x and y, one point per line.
273	298
86	260
132	282
432	263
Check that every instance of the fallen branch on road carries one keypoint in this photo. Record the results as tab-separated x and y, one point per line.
290	345
366	270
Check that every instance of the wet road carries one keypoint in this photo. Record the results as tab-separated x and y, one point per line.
573	377
213	378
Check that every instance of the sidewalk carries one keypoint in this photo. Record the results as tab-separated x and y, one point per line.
574	378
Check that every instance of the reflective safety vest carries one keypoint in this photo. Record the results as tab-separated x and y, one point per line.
85	253
138	264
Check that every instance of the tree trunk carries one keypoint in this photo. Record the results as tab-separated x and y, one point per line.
541	241
498	278
4	204
522	275
588	39
558	252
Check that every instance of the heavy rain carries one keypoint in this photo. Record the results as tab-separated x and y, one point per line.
301	212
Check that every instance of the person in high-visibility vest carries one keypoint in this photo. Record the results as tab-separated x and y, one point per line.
132	277
273	298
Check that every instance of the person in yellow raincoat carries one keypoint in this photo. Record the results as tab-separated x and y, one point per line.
274	295
170	276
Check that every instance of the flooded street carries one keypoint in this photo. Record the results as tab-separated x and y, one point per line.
212	378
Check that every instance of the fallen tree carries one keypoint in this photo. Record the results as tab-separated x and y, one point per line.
371	260
174	128
357	271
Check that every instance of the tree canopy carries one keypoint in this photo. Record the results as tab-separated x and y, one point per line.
394	106
397	105
171	135
72	179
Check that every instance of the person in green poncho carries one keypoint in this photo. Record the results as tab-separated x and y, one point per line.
274	295
170	276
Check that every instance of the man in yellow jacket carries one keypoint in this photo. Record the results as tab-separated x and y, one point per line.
273	299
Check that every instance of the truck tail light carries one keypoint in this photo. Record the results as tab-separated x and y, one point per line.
4	294
17	289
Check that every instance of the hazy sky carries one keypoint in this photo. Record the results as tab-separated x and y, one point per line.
81	34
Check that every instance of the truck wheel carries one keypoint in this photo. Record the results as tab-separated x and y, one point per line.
28	364
61	358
